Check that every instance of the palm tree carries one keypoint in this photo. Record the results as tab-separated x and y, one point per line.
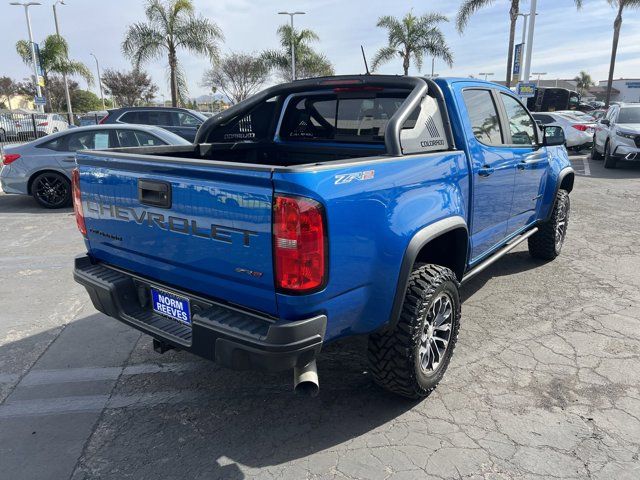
583	82
469	7
621	5
54	58
412	38
171	25
309	63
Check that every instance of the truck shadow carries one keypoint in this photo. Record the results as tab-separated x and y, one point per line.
623	171
510	264
204	421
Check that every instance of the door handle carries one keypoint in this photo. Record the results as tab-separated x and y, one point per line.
154	193
532	161
485	171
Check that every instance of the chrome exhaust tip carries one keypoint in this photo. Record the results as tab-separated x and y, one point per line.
305	380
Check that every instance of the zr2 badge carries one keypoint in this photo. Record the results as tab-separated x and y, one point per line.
350	177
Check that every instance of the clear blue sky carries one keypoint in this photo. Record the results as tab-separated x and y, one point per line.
566	41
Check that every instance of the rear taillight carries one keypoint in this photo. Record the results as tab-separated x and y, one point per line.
43	124
582	128
299	244
8	158
77	201
103	119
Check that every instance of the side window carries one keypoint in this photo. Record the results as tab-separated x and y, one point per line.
187	120
135	138
92	140
544	119
55	145
130	117
148	140
521	125
483	116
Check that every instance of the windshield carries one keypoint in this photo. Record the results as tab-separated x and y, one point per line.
629	115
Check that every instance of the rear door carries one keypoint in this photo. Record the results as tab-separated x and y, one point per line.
191	224
493	170
531	161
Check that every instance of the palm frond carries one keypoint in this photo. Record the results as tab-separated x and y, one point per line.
24	50
467	9
198	35
142	43
382	56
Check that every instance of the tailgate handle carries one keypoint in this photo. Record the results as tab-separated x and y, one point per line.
154	193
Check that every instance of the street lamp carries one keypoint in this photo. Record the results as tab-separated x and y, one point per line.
539	74
486	74
532	26
64	74
99	81
293	53
33	47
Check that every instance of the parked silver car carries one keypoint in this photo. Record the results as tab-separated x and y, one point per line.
617	136
42	168
578	134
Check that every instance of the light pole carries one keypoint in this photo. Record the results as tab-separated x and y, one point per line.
33	48
539	74
532	26
64	74
99	81
293	53
525	18
486	74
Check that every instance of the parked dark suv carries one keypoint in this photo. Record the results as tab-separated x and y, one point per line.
181	121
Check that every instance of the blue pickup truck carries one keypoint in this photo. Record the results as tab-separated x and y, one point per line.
322	209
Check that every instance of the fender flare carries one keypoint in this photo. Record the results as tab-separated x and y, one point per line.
419	240
561	176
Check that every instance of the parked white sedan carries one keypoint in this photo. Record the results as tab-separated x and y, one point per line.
45	123
579	134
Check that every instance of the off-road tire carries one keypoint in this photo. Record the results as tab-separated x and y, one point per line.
547	242
394	354
595	154
609	161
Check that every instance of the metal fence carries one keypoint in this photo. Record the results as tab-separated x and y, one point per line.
20	127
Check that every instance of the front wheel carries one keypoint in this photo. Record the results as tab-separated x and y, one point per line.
51	190
547	242
411	359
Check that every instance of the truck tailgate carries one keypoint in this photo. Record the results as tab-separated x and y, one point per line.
202	227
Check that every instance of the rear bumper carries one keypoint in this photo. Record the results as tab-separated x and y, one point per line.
231	337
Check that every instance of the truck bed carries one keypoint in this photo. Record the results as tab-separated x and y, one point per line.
268	154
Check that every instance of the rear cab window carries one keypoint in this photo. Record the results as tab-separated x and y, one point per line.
358	118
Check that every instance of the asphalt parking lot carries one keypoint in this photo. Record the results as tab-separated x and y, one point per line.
545	381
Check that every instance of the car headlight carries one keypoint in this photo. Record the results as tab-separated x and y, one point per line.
632	136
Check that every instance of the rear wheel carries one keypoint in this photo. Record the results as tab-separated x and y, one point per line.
547	242
411	359
51	190
609	161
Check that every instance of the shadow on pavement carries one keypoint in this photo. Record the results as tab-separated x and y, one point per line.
24	204
624	170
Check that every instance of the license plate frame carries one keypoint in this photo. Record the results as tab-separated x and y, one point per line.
171	305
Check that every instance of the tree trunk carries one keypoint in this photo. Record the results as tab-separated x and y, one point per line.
513	14
614	50
173	75
405	61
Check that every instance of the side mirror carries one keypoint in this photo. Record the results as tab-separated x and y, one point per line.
605	121
552	136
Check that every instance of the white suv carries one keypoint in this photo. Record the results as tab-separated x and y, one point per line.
617	135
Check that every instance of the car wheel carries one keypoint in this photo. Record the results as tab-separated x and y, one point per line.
547	242
595	155
55	130
51	190
411	359
609	161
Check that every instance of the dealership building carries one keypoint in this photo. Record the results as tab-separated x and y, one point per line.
624	89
